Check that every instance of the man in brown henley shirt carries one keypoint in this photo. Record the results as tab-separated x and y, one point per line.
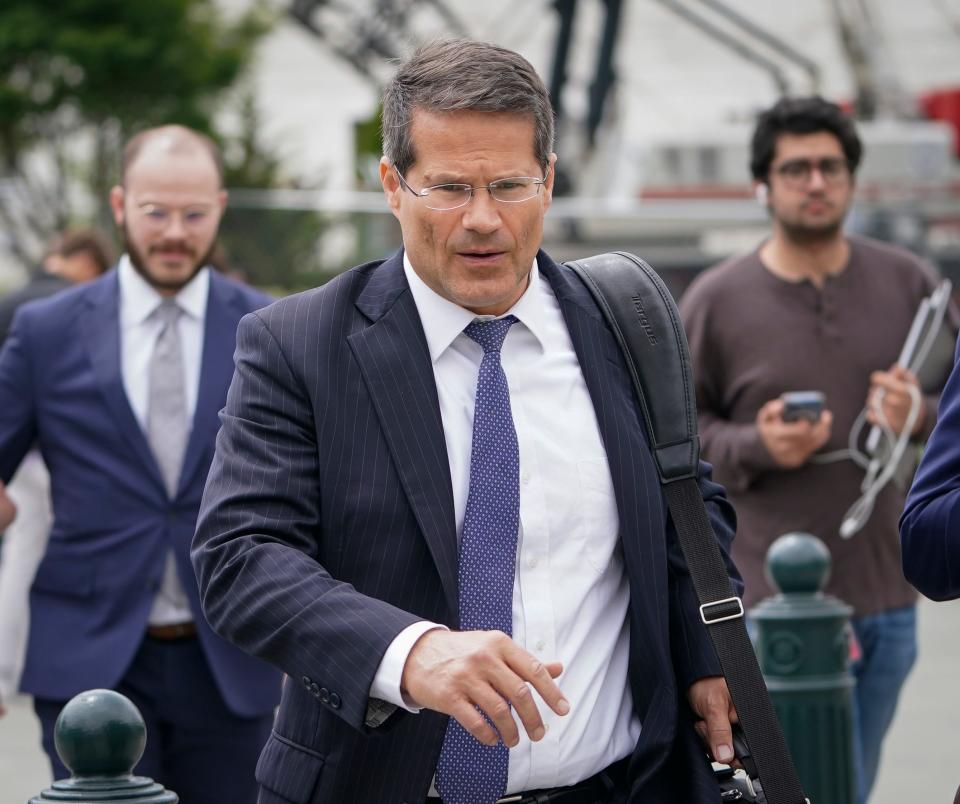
813	309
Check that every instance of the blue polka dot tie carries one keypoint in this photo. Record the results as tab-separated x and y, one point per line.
470	772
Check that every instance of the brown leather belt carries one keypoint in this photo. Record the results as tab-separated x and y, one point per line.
172	631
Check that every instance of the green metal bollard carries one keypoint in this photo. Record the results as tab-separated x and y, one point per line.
100	735
802	645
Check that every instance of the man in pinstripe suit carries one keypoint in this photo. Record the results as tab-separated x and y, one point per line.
337	534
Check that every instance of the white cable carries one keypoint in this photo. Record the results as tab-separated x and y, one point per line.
926	325
858	513
852	452
925	329
878	473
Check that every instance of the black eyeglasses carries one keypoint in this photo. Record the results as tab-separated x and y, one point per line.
444	197
797	172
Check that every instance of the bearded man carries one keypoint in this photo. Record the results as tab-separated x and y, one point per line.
119	382
814	309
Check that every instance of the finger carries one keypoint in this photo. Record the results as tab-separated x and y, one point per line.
894	414
498	712
517	691
525	708
506	687
711	700
795	431
888	383
474	722
902	373
555	669
531	669
771	411
889	411
719	736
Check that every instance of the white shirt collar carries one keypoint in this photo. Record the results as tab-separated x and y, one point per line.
443	320
139	299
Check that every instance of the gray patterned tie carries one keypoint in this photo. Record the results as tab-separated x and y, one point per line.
167	407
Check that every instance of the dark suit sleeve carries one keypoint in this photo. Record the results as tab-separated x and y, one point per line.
18	427
259	539
930	525
693	653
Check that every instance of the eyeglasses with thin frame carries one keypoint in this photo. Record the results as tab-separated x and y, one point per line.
797	172
159	216
445	197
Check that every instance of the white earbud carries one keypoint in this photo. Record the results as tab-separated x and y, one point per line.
761	193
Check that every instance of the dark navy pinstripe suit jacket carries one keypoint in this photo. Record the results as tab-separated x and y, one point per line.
327	527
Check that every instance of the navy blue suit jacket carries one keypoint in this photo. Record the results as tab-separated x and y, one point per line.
930	525
61	387
328	526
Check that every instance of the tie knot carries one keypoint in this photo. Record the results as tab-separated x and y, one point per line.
490	334
168	312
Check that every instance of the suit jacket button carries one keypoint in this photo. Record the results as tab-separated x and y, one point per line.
306	681
314	689
335	700
324	695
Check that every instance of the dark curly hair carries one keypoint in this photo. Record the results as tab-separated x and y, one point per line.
801	116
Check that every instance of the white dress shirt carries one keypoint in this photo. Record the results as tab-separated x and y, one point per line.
139	330
571	594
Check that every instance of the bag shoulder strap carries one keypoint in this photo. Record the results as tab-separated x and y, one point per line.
645	321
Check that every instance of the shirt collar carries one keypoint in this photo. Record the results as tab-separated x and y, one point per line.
139	299
443	320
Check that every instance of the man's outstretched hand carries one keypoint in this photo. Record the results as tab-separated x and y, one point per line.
457	672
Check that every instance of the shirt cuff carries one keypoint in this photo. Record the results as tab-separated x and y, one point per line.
386	682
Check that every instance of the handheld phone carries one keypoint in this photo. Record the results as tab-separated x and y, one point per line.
802	405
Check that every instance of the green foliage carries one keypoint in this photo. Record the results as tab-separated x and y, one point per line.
140	63
367	148
103	68
272	248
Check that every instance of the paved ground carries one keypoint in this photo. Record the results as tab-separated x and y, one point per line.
921	761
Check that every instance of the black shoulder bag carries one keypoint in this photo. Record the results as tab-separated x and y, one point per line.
644	319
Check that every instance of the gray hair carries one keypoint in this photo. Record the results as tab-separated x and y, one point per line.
459	74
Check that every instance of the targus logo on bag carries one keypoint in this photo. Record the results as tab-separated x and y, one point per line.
644	321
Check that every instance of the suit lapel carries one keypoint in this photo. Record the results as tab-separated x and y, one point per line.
101	333
216	372
395	363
